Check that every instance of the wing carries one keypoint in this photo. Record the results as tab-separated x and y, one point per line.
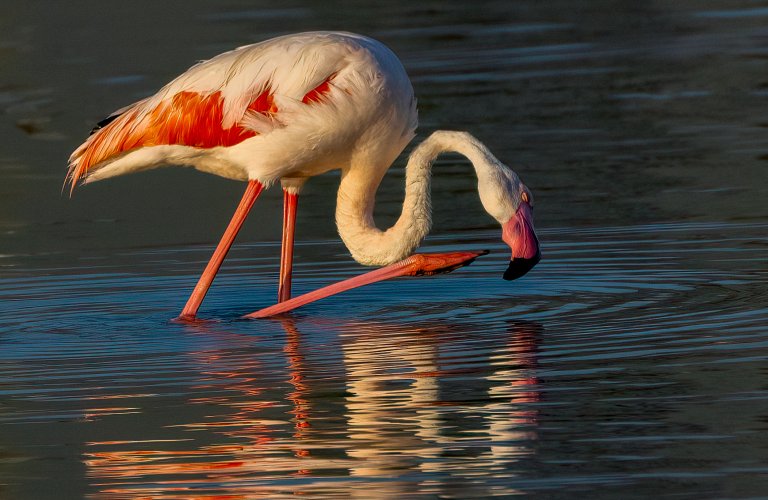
220	102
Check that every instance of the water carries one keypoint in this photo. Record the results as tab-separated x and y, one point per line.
629	363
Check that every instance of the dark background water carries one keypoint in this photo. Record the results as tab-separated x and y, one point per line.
631	362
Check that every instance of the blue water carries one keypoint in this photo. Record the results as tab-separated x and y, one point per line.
629	363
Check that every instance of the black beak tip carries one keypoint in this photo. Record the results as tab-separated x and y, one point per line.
519	267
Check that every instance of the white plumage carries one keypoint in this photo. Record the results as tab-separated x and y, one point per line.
369	93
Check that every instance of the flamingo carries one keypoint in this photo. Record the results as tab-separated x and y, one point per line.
296	106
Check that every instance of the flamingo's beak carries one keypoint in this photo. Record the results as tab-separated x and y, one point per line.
518	233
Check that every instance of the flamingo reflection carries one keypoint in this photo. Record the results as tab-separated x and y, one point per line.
431	398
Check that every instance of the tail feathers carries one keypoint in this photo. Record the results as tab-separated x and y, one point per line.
119	132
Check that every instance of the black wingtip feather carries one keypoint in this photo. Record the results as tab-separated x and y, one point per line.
103	123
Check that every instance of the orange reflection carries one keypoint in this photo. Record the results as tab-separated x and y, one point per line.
295	357
412	394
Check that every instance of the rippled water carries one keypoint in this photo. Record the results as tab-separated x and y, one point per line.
631	362
631	357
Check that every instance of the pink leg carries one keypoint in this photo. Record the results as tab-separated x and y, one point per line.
198	294
420	264
290	203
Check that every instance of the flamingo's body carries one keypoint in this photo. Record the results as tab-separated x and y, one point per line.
291	108
285	109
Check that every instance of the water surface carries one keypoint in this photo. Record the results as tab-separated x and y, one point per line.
629	363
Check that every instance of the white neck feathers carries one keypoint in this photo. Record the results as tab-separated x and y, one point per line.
354	210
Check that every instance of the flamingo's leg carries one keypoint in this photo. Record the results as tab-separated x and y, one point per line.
198	294
421	264
290	204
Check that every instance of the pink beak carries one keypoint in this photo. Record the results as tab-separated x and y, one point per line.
519	235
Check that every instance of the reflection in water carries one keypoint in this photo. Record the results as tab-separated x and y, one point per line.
511	418
407	394
414	402
298	397
655	339
242	441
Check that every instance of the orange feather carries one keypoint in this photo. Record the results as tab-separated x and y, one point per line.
316	94
188	118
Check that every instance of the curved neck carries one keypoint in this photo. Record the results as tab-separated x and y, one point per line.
356	198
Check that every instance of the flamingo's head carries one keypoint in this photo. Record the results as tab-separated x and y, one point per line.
510	202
